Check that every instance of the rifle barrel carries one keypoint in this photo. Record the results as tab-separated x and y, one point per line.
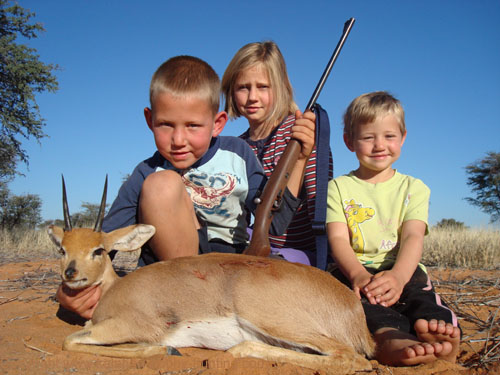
347	29
259	244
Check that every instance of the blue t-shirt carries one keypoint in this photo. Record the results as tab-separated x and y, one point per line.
222	185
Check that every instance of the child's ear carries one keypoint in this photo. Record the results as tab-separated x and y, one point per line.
348	142
220	121
148	115
403	139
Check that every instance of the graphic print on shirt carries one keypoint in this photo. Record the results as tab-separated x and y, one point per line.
209	192
356	214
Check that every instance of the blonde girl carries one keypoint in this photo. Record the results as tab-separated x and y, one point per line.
256	86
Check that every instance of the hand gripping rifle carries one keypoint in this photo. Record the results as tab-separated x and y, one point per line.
270	199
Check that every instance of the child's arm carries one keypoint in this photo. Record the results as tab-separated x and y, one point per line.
303	131
345	257
386	286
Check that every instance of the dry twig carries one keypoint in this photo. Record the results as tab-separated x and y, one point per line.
37	349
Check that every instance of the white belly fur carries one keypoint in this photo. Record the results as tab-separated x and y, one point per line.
217	333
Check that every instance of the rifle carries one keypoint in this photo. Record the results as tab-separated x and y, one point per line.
270	199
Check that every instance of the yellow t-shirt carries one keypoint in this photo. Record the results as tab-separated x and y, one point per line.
375	213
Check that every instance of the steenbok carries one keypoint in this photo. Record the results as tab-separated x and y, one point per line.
251	306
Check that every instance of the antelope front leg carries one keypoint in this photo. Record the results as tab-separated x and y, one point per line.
94	339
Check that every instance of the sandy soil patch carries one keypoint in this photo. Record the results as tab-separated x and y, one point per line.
33	328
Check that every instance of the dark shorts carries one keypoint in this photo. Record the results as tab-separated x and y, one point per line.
216	245
418	301
205	246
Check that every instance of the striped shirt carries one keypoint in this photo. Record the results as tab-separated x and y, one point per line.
299	234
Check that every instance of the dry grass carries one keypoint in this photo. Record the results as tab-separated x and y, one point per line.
444	247
26	244
462	248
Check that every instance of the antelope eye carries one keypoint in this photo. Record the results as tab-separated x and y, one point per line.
97	252
61	251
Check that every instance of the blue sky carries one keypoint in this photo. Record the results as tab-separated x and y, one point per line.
440	58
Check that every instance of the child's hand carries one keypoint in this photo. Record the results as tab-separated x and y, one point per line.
83	302
385	288
303	131
359	281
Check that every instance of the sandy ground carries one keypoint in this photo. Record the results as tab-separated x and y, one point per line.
33	329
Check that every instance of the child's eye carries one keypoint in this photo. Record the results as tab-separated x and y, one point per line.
163	124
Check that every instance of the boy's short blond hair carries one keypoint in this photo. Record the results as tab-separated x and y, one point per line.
269	55
367	107
186	76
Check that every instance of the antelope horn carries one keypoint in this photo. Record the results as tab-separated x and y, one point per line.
67	218
100	215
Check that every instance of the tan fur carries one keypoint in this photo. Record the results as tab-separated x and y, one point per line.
270	309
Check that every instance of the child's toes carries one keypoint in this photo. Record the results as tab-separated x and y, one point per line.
422	349
445	328
422	326
438	347
433	325
450	330
447	348
428	348
455	332
410	352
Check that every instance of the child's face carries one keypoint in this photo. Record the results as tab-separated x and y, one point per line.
377	145
183	127
253	94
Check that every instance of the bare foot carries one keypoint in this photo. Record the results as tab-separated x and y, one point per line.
397	348
444	337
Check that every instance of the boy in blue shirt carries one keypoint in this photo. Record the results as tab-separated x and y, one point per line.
198	188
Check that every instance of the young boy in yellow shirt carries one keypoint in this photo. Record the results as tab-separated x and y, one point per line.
376	222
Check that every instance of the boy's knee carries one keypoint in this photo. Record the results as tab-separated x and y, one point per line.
162	185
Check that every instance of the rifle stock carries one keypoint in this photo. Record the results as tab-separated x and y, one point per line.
275	187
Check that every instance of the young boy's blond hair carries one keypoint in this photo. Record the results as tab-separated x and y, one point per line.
269	55
367	107
183	76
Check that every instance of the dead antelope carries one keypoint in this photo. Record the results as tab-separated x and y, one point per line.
251	306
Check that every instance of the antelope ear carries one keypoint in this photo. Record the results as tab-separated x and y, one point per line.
129	238
56	234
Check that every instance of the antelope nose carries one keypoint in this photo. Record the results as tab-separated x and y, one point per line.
70	272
